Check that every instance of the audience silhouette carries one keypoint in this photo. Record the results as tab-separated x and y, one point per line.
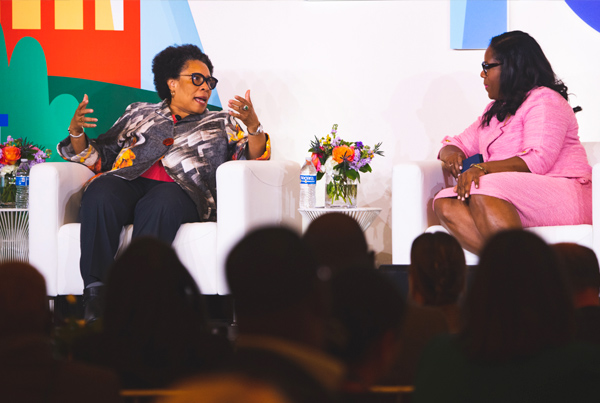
581	265
155	327
28	370
367	316
516	340
282	306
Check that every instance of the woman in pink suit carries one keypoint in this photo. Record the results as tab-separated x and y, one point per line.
535	170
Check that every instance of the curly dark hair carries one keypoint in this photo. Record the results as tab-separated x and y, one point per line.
169	62
524	67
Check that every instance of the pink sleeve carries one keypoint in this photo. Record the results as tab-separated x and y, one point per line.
467	141
546	121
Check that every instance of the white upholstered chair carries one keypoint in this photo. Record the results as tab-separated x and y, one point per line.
250	194
414	184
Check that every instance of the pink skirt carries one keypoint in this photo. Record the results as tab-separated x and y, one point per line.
540	200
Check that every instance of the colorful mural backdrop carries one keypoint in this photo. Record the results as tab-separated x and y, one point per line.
53	52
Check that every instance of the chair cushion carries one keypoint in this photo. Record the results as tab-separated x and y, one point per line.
195	244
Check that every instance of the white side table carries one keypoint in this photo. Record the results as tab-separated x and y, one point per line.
363	215
14	234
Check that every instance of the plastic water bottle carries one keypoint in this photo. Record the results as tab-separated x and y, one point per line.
22	182
308	184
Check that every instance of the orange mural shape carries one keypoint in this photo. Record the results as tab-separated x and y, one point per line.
92	53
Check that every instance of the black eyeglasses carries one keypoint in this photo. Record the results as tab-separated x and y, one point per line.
199	79
486	66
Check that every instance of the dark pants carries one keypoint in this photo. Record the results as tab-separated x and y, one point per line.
154	208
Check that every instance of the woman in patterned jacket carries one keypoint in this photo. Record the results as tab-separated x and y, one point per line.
156	166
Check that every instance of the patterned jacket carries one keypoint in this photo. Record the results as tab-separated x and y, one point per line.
191	150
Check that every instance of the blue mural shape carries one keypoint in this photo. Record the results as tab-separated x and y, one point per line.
588	11
474	22
162	24
3	120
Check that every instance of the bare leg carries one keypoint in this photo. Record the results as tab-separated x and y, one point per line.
456	217
492	215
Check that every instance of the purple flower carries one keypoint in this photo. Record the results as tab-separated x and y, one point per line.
359	144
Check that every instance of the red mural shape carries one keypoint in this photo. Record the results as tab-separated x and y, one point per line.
107	56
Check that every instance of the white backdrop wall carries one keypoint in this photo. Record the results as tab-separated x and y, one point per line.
383	71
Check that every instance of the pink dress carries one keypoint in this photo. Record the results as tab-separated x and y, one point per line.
543	132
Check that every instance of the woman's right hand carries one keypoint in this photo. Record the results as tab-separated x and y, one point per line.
79	120
452	157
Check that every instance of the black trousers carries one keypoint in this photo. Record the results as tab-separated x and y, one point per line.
155	208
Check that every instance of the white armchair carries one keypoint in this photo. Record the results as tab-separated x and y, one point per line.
250	194
414	184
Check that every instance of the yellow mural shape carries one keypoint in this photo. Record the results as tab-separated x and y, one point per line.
104	19
26	14
68	14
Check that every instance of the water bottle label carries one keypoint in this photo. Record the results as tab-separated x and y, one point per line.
308	179
22	181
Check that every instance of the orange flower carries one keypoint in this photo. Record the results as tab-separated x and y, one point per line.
11	154
341	153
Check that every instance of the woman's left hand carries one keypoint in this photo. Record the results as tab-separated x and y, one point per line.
467	179
242	109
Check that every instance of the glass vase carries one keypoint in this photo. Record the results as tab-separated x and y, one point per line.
340	191
8	191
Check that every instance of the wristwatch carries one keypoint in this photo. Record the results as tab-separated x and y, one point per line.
258	131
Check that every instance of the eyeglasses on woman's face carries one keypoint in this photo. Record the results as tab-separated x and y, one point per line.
199	79
486	66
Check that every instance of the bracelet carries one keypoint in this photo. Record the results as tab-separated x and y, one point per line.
75	137
480	167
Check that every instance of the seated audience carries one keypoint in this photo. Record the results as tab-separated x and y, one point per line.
436	276
28	370
330	234
156	329
581	265
367	315
516	344
282	307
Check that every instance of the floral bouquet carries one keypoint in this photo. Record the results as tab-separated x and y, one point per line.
341	162
11	154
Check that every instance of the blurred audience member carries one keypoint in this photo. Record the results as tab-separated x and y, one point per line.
516	341
282	307
28	370
338	242
367	314
436	276
581	265
156	329
224	388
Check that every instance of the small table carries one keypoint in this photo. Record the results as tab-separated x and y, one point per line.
14	234
363	215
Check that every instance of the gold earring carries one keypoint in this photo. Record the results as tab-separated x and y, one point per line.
172	94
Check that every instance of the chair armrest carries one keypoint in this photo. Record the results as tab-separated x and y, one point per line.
414	184
54	197
251	194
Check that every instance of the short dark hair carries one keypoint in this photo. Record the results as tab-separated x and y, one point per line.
169	63
518	303
524	67
581	265
365	305
269	270
437	268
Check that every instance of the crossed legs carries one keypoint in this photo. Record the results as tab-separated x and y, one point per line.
473	222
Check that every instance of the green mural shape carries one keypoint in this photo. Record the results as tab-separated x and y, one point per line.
40	107
25	98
